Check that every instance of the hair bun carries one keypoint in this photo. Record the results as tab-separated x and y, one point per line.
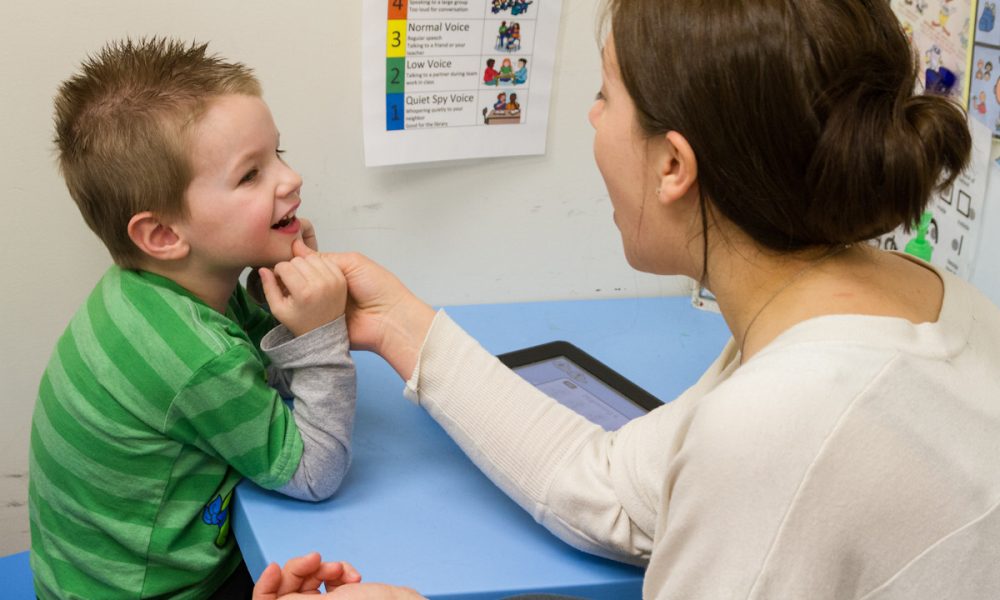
942	131
879	158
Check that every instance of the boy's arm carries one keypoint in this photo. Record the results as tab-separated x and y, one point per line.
321	375
228	410
312	345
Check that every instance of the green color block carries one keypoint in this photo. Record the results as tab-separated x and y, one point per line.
395	75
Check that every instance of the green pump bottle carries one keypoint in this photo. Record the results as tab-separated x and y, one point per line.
920	246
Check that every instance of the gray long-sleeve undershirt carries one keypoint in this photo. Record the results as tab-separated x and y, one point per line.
317	371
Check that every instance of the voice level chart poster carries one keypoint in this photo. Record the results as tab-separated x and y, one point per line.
455	79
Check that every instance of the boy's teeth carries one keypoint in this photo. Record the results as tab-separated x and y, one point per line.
283	223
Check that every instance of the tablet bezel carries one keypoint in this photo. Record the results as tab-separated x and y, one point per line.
561	348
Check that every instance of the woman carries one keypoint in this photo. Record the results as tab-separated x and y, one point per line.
844	444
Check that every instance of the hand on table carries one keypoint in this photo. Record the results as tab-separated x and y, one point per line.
301	577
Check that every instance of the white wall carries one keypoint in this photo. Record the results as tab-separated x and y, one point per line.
444	229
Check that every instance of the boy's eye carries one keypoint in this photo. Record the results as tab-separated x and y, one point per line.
599	96
279	151
250	176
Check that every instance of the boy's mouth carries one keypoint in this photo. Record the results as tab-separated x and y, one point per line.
285	221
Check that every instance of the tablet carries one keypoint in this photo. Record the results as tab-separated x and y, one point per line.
581	382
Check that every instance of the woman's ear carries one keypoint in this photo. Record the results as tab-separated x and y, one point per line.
156	238
678	168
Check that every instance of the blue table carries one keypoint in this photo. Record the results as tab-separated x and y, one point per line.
415	511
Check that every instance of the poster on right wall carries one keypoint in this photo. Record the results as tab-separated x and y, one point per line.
984	81
941	34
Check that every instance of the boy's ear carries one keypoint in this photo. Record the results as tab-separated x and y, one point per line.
678	168
156	238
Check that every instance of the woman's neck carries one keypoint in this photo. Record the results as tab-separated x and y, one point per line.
761	293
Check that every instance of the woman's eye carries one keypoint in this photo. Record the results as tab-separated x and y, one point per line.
250	176
599	96
279	152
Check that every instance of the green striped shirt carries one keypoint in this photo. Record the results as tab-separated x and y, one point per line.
151	409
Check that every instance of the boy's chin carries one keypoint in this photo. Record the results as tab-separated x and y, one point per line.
270	262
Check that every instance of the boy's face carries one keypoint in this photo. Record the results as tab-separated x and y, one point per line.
243	197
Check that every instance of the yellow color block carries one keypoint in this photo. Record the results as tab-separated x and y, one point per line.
395	38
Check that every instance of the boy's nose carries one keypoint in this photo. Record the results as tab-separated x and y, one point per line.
291	182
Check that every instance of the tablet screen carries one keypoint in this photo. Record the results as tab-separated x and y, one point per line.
574	387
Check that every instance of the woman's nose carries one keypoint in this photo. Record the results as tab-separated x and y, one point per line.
592	114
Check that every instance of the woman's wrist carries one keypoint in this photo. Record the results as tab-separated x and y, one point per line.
405	328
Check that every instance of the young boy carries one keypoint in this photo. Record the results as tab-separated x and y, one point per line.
158	398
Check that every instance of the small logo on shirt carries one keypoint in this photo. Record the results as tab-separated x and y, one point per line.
217	513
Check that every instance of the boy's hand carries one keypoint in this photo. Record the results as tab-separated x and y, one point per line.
254	287
309	234
306	292
301	578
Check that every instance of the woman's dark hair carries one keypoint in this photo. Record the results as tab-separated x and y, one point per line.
801	112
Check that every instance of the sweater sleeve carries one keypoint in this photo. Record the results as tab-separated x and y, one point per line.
589	487
320	375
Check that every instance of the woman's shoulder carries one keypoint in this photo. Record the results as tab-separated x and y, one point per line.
963	324
829	370
792	388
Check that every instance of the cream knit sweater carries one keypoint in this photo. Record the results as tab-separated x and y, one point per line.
853	457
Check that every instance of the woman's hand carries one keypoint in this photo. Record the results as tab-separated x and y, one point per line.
301	577
383	316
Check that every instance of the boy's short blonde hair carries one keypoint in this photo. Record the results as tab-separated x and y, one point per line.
121	130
